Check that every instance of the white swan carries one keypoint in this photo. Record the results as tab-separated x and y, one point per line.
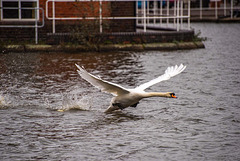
130	97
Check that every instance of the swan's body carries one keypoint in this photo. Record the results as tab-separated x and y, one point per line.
130	97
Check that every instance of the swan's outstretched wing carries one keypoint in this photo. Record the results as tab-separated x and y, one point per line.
169	72
105	86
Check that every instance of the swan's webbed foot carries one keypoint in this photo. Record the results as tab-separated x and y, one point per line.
134	105
118	105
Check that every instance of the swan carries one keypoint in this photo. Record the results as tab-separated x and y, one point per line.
124	97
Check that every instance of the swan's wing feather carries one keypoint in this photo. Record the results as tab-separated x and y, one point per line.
105	86
169	72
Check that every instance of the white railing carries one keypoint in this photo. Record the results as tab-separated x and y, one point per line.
230	7
177	17
154	15
36	19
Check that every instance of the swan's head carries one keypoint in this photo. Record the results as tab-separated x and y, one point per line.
171	95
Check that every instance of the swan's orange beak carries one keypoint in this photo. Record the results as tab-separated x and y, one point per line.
173	95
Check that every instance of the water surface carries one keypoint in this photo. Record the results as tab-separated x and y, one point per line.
202	124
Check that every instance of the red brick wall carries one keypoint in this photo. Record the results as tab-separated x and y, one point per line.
74	9
123	9
91	9
77	9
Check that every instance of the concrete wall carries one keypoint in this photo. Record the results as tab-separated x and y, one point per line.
126	38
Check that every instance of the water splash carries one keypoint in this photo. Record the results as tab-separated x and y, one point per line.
71	102
4	103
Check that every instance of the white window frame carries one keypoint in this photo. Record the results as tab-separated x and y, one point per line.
19	11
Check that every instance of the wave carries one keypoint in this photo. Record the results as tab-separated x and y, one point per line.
71	102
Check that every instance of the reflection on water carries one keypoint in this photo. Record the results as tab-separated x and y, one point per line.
38	77
49	113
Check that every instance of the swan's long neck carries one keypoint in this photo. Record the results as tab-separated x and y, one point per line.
155	94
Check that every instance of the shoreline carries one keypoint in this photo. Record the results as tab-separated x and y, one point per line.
102	48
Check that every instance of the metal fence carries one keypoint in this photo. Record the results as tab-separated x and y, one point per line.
143	14
221	8
172	14
187	10
36	19
162	14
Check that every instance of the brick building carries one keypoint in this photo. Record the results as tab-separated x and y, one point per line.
16	15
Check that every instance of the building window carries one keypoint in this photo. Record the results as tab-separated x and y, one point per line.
19	9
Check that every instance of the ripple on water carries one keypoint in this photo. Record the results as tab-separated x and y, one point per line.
202	124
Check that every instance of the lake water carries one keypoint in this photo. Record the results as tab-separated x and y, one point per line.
202	124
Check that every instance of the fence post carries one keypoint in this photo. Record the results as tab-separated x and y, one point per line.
161	11
181	14
36	26
137	15
144	16
178	3
53	14
225	6
155	8
167	12
189	12
100	16
216	9
200	9
148	12
174	13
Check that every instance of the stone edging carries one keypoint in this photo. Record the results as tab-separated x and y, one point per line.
110	47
